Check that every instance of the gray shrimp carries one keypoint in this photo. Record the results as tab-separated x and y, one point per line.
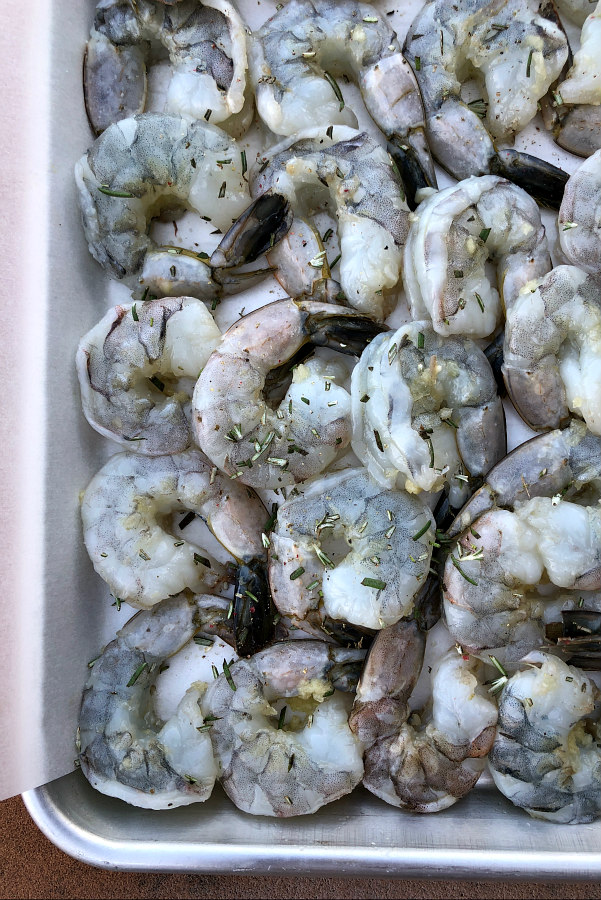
559	463
426	412
452	235
546	757
206	43
352	173
280	732
423	762
125	511
349	550
580	217
552	351
500	573
133	367
295	56
515	52
235	423
147	163
127	751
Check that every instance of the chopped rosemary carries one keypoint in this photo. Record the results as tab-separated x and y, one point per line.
105	189
221	194
202	641
568	225
420	341
215	671
118	603
378	440
418	63
143	555
160	385
243	161
480	302
173	270
134	312
370	19
334	85
324	560
313	585
297	573
421	532
479	107
202	560
458	273
528	64
484	234
208	114
461	572
265	541
282	717
374	583
228	675
137	674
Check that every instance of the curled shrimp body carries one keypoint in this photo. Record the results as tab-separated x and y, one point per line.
561	462
132	366
294	57
578	116
514	52
235	422
580	216
576	10
355	176
552	352
127	751
142	165
347	549
423	763
286	758
546	757
125	511
206	43
453	233
426	410
491	592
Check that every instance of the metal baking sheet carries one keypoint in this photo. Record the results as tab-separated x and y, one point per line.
65	616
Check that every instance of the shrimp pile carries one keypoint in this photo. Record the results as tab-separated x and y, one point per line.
313	509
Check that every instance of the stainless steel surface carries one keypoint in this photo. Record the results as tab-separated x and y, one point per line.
483	836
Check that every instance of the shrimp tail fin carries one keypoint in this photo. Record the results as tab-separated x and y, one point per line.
262	224
254	611
539	178
412	171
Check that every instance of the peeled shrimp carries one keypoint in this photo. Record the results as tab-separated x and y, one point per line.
206	43
294	57
347	549
348	170
491	580
290	758
452	235
132	366
125	511
127	751
578	97
235	423
580	216
138	167
426	411
546	757
552	352
423	763
513	50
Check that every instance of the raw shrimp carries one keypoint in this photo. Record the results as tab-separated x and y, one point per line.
576	10
423	763
294	57
426	411
492	575
286	760
132	366
349	170
452	235
206	43
513	50
347	549
236	424
142	165
126	750
125	511
577	108
580	216
546	757
552	352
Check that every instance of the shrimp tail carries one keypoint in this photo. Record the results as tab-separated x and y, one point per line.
539	178
348	334
413	173
254	612
262	224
